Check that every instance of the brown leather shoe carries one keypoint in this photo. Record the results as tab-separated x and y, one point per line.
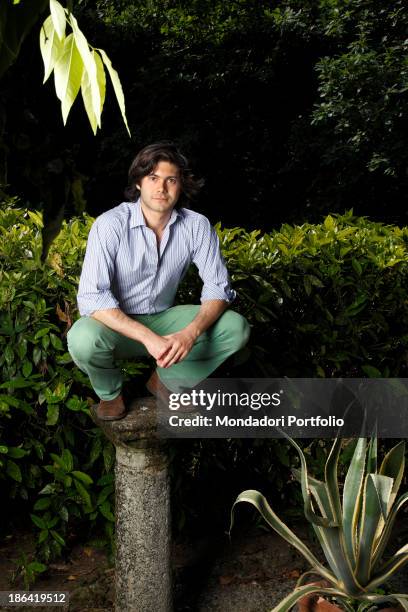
111	410
162	393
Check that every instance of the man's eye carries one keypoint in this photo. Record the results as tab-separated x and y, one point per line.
172	180
152	178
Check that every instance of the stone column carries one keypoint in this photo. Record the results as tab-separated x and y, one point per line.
143	529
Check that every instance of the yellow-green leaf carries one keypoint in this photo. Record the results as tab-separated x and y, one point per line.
89	67
116	86
68	75
50	46
87	100
87	92
100	74
58	18
36	218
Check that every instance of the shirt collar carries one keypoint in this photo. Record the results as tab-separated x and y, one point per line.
137	218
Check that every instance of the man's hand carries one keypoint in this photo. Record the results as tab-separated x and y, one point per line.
179	345
157	345
181	342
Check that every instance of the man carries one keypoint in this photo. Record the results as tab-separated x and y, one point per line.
136	256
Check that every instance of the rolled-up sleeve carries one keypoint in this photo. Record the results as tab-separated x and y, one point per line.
95	284
211	266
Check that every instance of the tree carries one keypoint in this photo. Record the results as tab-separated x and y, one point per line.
75	64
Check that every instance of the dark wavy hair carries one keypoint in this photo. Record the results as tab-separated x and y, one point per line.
147	159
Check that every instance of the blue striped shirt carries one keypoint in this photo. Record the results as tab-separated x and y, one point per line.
125	268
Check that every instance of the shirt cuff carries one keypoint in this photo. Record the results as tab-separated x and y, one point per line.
103	300
217	292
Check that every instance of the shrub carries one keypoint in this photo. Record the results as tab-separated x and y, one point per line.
323	300
52	458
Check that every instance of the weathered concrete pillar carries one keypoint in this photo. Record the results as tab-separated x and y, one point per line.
143	568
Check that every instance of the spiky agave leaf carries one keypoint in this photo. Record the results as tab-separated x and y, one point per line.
330	473
376	494
329	533
307	498
372	456
259	501
352	498
400	598
319	493
393	465
386	533
385	571
335	537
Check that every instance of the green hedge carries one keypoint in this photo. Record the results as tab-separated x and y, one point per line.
322	300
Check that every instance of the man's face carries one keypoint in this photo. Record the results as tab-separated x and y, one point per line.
160	190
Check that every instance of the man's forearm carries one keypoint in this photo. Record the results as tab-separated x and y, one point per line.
117	320
209	312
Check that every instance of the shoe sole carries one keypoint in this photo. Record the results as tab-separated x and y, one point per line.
94	411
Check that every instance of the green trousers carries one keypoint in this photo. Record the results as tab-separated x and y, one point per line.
96	349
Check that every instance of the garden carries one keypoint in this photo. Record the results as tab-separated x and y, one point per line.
294	115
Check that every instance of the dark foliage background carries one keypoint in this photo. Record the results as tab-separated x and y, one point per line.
289	109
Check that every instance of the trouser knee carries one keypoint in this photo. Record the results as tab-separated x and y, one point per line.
84	338
237	329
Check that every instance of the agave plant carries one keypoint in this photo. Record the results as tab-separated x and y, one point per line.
353	528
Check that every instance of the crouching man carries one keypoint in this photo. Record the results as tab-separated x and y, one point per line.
136	255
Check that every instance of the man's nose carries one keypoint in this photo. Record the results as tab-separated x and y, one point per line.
162	185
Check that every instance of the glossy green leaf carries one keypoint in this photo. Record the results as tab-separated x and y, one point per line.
42	504
38	521
10	400
57	537
105	510
83	477
27	368
67	459
56	342
52	414
13	470
43	536
16	383
16	453
42	332
84	494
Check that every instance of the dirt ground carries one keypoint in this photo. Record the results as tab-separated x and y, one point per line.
252	573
